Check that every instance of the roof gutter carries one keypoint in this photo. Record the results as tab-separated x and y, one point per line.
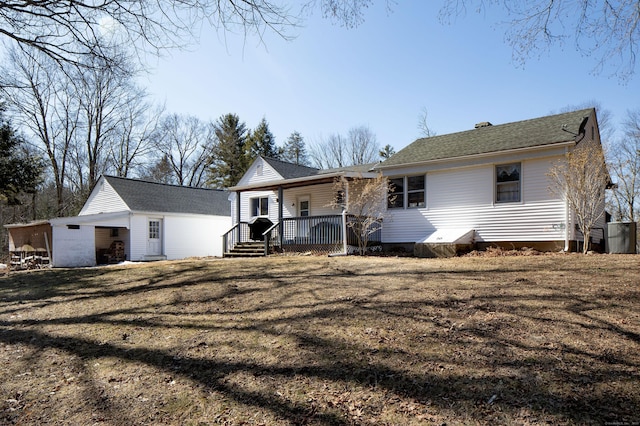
381	166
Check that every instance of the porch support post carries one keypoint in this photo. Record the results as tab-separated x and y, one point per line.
238	193
280	211
344	230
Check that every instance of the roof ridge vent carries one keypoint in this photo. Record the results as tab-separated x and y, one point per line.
483	124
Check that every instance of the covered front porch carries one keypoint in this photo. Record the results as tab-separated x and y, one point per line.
300	215
316	234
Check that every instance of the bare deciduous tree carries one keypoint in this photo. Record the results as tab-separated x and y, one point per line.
624	160
423	126
133	138
360	147
186	142
43	102
581	178
607	31
365	201
67	31
104	93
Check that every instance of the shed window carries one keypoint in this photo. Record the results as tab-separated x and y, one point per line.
73	226
508	183
154	229
260	206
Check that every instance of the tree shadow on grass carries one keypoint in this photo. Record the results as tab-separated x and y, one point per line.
457	379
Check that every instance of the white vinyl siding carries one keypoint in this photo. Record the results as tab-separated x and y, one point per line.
183	236
259	172
194	236
245	205
103	199
464	198
73	247
320	197
460	188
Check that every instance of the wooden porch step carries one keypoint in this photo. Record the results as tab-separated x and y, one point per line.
247	249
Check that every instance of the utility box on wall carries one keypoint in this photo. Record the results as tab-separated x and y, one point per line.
621	237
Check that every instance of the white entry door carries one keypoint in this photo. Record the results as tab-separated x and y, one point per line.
304	211
154	237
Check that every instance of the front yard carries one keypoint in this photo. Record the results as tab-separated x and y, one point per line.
551	339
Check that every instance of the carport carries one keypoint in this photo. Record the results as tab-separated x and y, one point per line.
91	239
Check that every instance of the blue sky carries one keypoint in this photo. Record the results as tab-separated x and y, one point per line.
381	74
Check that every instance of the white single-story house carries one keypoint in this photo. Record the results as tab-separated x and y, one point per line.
129	219
487	186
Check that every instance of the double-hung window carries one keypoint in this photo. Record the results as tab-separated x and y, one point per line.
260	206
410	188
508	183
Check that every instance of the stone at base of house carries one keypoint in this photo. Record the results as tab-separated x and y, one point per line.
440	249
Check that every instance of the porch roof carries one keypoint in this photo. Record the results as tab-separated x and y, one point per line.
325	176
26	225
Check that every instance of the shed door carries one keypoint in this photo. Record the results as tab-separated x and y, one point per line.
154	237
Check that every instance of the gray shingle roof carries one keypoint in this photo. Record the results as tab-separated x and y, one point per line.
146	196
290	170
521	134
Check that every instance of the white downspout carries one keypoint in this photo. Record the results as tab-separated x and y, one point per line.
567	217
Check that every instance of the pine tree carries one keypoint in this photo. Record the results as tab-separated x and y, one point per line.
229	160
19	171
386	152
294	150
261	142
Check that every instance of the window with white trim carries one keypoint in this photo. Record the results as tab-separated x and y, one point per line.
409	188
260	206
508	183
415	191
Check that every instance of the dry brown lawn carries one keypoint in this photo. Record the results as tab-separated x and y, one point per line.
551	339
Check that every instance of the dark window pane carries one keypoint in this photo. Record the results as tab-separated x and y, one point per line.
416	199
415	183
396	193
508	173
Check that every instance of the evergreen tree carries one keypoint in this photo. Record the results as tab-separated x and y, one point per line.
386	152
261	142
294	150
19	171
229	160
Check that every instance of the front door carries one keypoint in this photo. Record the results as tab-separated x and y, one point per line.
154	237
